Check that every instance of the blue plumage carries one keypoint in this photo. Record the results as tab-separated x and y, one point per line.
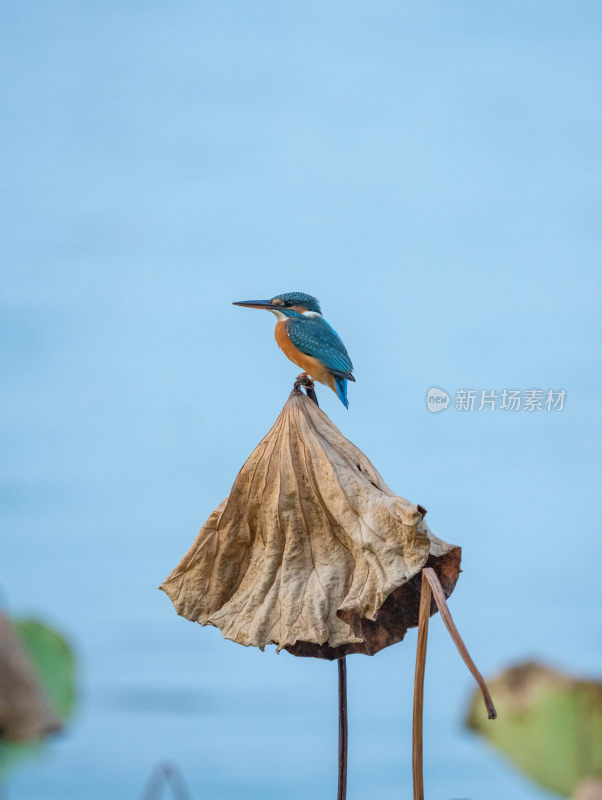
299	299
341	385
316	338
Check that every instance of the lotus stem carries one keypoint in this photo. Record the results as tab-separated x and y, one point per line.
343	729
431	576
423	629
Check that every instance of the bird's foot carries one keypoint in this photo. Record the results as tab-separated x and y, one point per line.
303	380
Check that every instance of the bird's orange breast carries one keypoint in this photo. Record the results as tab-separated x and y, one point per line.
308	364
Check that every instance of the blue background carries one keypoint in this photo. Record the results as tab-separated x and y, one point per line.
431	172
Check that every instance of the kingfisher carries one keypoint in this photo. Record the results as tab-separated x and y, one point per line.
308	340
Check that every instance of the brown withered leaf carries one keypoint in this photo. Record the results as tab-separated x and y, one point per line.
311	551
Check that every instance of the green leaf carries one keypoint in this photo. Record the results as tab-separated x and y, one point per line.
54	665
549	724
53	662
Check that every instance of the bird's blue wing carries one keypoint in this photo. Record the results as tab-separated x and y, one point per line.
315	337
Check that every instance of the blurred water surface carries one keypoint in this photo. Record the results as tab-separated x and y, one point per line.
431	172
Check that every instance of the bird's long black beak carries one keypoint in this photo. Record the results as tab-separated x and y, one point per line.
255	304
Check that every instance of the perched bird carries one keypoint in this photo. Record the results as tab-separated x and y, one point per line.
308	340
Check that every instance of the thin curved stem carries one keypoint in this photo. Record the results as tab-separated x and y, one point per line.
431	587
166	775
439	595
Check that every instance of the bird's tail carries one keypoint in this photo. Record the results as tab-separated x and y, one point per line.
341	388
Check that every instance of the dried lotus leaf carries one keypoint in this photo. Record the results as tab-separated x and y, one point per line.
311	551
